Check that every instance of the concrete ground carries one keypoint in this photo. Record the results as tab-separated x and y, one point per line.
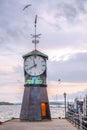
54	124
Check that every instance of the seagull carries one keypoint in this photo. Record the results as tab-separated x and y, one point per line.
26	6
59	80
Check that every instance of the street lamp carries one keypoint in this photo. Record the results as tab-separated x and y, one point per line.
65	103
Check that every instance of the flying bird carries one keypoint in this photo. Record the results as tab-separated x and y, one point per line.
26	6
59	80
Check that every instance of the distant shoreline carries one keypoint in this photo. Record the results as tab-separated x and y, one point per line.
50	103
6	103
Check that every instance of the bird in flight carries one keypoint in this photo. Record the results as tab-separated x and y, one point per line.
59	80
26	6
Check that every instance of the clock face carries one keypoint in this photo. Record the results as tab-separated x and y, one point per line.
35	65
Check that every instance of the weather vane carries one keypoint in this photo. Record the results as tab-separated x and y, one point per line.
35	36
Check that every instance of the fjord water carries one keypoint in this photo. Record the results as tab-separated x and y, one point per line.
13	111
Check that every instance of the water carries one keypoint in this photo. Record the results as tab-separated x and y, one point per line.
13	111
9	111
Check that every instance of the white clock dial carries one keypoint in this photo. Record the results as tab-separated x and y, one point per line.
35	65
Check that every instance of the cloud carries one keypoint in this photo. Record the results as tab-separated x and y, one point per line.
71	70
81	5
64	39
71	9
11	97
66	10
12	78
57	20
79	95
71	89
69	97
13	22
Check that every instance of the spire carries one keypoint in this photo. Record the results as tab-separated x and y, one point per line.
35	36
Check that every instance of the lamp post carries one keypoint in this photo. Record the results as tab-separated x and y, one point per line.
65	103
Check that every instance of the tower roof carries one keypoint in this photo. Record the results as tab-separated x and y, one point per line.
35	52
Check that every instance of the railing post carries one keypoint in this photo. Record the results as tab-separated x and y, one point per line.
65	103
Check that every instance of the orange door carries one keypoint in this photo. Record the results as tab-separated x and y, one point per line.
43	109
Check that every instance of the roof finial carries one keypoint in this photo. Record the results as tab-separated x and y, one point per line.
35	36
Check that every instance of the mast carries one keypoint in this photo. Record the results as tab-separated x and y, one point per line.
35	36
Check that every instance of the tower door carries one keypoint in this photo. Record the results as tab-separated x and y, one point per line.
43	109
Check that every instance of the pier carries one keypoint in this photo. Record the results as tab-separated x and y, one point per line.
54	124
77	120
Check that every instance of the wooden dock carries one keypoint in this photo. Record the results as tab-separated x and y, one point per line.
54	124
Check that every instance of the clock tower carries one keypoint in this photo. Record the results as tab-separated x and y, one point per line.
35	104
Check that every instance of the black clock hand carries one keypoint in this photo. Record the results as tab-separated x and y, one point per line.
33	66
34	61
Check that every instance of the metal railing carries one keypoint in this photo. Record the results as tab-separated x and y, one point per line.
77	120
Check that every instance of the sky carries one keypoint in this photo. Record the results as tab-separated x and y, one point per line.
63	25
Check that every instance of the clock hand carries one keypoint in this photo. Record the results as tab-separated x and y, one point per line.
34	61
33	66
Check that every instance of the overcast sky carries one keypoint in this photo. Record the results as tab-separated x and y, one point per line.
63	25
